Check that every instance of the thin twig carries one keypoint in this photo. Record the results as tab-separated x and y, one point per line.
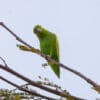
4	61
20	86
50	59
25	90
12	33
33	83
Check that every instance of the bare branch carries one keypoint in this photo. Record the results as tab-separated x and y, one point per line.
23	89
33	83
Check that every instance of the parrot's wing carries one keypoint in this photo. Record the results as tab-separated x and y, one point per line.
55	50
55	55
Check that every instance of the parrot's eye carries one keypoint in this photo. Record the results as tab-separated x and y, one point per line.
39	30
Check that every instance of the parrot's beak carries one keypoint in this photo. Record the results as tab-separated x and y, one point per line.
39	30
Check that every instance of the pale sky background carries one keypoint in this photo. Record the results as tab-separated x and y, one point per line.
77	25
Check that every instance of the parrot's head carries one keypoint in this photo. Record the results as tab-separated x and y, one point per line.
38	30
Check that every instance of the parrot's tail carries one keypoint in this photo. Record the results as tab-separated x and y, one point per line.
56	69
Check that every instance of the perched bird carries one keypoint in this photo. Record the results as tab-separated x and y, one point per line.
49	46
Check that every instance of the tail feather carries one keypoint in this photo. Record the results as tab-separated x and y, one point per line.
56	69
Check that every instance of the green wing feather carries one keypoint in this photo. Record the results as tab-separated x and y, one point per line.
55	55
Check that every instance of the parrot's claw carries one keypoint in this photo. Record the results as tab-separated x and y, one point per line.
44	65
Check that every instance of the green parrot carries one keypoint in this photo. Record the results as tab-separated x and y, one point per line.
49	46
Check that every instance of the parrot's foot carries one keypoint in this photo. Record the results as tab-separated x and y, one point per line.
44	65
